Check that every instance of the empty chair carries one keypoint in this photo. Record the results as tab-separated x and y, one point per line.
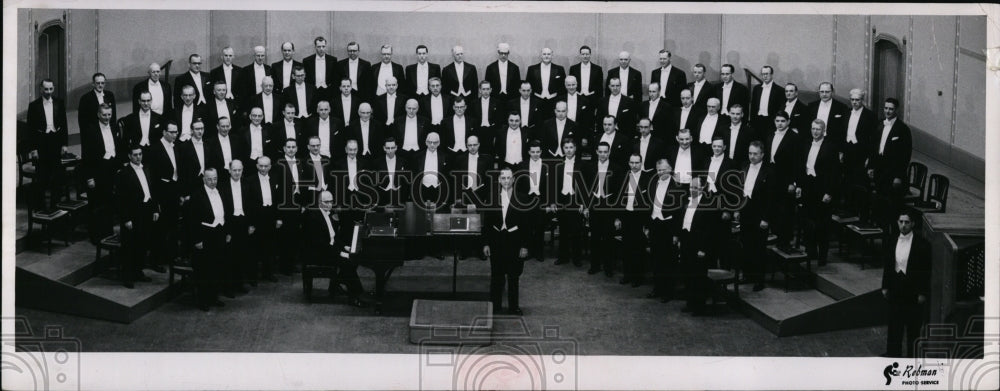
937	195
916	182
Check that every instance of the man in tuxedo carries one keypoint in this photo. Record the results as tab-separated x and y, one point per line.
739	136
389	170
616	104
164	182
418	75
288	128
567	180
756	196
530	108
187	112
605	179
766	100
503	75
328	242
579	109
711	125
547	80
357	70
321	69
263	196
488	112
618	142
860	127
718	169
730	92
271	104
649	148
532	180
368	133
510	146
410	129
553	131
102	155
890	158
192	159
194	77
220	106
684	117
798	117
346	103
390	105
700	89
832	112
257	135
384	70
687	159
300	94
163	102
698	217
431	167
456	128
657	111
282	71
906	286
459	77
206	220
327	130
253	78
293	189
784	152
629	78
589	75
142	128
236	265
633	210
504	225
469	172
318	174
664	200
436	106
224	147
670	79
138	208
48	139
817	188
347	171
93	99
228	74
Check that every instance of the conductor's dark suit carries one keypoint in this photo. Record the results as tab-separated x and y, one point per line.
504	231
207	261
902	289
824	181
693	241
134	207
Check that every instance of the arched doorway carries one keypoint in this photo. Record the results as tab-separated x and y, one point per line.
50	58
890	72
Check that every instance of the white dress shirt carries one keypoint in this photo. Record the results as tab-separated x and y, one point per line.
422	76
100	97
237	192
727	89
317	163
502	67
823	112
886	128
765	94
227	151
460	72
199	150
410	142
811	158
256	141
734	134
659	198
222	108
458	127
227	73
623	76
790	106
187	116
320	71
685	114
571	106
324	136
585	78
535	176
602	174
390	105
568	169
144	128
714	165
365	127
514	152
169	147
778	136
546	70
698	86
156	94
352	173
384	73
142	181
265	189
903	246
50	122
300	95
689	212
289	130
643	147
286	73
218	211
664	75
197	84
653	103
683	165
293	167
352	72
109	141
437	109
345	107
606	138
633	189
852	126
390	164
430	178
525	111
560	129
329	226
484	108
268	103
504	206
472	180
751	179
258	76
613	102
708	128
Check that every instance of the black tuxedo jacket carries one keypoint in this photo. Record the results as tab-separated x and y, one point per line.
513	79
799	118
775	101
676	81
248	83
656	150
517	220
129	193
548	135
417	165
277	105
706	219
375	141
143	86
433	70
212	115
613	181
277	72
460	171
693	123
470	80
160	168
738	95
330	72
279	134
701	100
634	82
660	118
501	143
265	140
596	78
621	147
757	207
381	112
291	96
522	180
92	163
260	215
199	211
238	150
918	269
827	169
234	87
740	151
397	72
185	79
836	122
291	193
198	112
447	131
49	145
724	178
581	186
786	158
586	106
641	204
699	157
868	127
365	81
316	236
87	110
399	131
493	112
337	136
381	168
189	168
424	110
672	202
721	128
132	128
337	108
557	79
535	114
626	115
246	195
895	159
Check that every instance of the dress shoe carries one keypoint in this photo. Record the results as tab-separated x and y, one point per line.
593	271
129	284
577	263
218	303
203	307
229	295
143	278
357	303
516	311
609	273
561	262
156	268
758	287
636	284
665	299
624	281
652	295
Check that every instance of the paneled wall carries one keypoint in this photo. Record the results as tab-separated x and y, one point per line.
944	90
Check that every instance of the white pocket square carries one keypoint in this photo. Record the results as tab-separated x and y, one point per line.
895	138
837	116
512	229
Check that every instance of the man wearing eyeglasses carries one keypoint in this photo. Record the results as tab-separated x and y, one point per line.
504	75
144	127
93	99
201	81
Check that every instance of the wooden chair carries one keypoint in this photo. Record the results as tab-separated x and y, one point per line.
112	243
48	222
786	261
916	182
937	195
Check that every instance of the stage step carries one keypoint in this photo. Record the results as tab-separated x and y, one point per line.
71	265
451	322
843	280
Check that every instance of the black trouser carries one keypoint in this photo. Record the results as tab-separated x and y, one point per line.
505	266
135	242
817	219
289	239
634	254
664	258
237	257
854	174
784	219
101	200
540	221
165	229
570	231
262	243
904	315
207	263
347	274
48	176
754	245
694	271
602	228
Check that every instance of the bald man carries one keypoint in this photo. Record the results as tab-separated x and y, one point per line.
410	130
547	80
283	69
553	131
237	263
253	76
430	168
161	99
368	131
459	77
631	78
390	105
229	74
504	75
270	103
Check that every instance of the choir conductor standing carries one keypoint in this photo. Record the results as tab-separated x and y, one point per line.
504	235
